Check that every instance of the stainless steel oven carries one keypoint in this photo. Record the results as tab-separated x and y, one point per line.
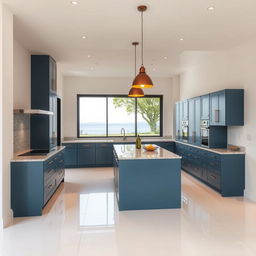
205	132
184	131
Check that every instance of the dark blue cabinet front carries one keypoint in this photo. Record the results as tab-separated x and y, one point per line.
184	110
70	155
104	154
224	173
86	155
178	121
194	121
227	107
205	107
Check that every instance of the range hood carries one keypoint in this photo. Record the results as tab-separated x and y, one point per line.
33	112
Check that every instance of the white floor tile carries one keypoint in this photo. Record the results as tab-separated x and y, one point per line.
82	219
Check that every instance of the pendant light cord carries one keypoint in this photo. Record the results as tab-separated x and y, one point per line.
135	54
142	39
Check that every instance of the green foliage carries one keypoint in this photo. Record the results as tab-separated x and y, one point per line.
149	108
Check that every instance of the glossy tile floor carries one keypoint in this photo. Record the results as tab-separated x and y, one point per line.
82	219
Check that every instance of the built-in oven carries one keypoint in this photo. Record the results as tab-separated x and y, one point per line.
205	132
184	131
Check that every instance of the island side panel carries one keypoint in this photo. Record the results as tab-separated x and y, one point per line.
149	184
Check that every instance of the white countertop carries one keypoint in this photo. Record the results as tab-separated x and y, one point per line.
36	158
129	152
221	151
117	140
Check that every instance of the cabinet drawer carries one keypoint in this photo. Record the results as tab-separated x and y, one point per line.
49	189
49	172
104	145
86	145
214	179
49	163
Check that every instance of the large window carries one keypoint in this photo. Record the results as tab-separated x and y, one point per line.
105	115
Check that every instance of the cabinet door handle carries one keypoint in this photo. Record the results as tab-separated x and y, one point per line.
50	186
213	176
217	115
194	137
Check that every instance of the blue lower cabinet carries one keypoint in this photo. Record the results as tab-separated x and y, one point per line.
70	155
86	155
34	183
104	154
223	172
166	145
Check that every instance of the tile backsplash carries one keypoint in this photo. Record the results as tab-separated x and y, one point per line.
21	132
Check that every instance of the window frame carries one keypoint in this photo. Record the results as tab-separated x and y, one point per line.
123	96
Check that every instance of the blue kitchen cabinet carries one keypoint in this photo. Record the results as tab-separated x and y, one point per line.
178	120
33	183
44	97
86	155
70	157
166	145
104	154
227	107
184	110
194	121
223	172
205	107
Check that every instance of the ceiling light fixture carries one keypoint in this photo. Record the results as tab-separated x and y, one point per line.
135	92
165	57
89	56
181	39
83	37
210	8
74	2
142	80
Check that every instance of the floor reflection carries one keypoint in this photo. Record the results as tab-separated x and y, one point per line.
96	210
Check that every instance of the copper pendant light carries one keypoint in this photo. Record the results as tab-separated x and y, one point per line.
135	92
142	80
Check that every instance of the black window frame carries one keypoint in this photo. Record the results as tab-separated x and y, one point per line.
123	96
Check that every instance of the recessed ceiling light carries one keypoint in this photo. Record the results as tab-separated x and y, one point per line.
84	37
210	8
74	2
165	57
181	39
89	56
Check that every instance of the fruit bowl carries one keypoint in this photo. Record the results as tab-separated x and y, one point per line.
150	147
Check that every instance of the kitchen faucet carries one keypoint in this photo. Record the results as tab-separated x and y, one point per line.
123	131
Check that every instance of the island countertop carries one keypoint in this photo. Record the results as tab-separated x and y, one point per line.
129	152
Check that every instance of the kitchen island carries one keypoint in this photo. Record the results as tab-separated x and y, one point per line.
146	179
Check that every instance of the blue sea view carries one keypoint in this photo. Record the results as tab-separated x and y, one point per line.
113	128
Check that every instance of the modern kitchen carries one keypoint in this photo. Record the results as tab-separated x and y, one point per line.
127	128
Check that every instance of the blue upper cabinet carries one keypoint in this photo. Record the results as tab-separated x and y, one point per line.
178	121
194	120
227	107
205	107
184	110
43	96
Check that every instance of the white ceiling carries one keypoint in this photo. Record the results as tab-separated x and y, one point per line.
55	27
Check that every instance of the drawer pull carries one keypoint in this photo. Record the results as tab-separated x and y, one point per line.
51	162
212	176
49	186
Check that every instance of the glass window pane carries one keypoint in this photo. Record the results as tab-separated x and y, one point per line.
121	114
92	114
148	116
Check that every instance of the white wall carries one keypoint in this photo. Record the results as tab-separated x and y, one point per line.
6	117
83	85
21	76
235	68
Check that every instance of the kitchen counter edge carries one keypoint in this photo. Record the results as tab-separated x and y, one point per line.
38	158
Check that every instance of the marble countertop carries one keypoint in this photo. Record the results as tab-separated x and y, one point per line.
221	151
129	152
36	158
116	140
